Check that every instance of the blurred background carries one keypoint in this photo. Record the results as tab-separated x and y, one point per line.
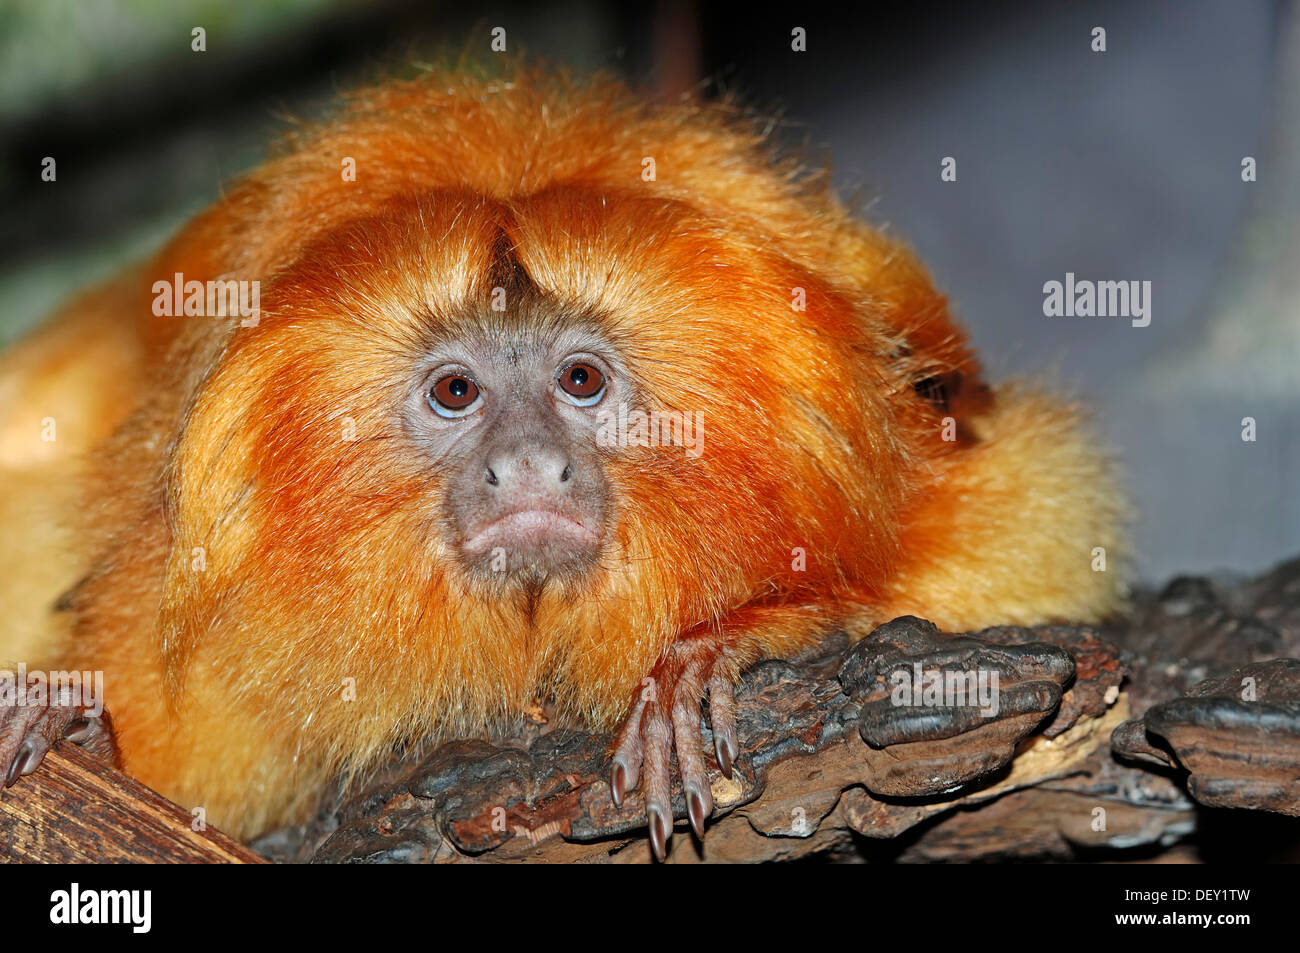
1116	165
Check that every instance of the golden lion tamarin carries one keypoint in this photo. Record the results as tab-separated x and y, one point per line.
547	389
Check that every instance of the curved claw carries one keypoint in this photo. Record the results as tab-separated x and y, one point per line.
22	763
660	832
618	783
698	809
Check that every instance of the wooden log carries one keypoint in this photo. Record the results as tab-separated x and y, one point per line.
74	809
829	769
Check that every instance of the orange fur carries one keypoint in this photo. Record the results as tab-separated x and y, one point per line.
246	560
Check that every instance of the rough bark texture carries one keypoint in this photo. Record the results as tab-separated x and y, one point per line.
76	810
1205	694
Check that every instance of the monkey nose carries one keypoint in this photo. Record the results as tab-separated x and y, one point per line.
538	469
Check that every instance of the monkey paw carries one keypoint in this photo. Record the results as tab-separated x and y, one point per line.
666	716
33	718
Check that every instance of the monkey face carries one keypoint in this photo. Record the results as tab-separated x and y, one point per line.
392	417
509	419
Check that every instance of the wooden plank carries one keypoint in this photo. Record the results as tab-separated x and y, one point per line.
75	809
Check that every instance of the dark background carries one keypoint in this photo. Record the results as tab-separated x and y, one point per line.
1116	165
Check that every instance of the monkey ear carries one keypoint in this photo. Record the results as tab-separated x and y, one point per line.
933	385
953	394
935	388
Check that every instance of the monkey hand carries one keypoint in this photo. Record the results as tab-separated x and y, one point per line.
665	716
33	718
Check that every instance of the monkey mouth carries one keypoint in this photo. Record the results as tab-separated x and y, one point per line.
531	530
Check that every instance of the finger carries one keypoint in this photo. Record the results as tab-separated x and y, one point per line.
625	764
690	760
722	718
658	739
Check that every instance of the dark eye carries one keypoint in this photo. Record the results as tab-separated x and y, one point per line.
453	396
582	384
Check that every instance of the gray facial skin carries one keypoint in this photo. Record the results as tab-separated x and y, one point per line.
527	497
